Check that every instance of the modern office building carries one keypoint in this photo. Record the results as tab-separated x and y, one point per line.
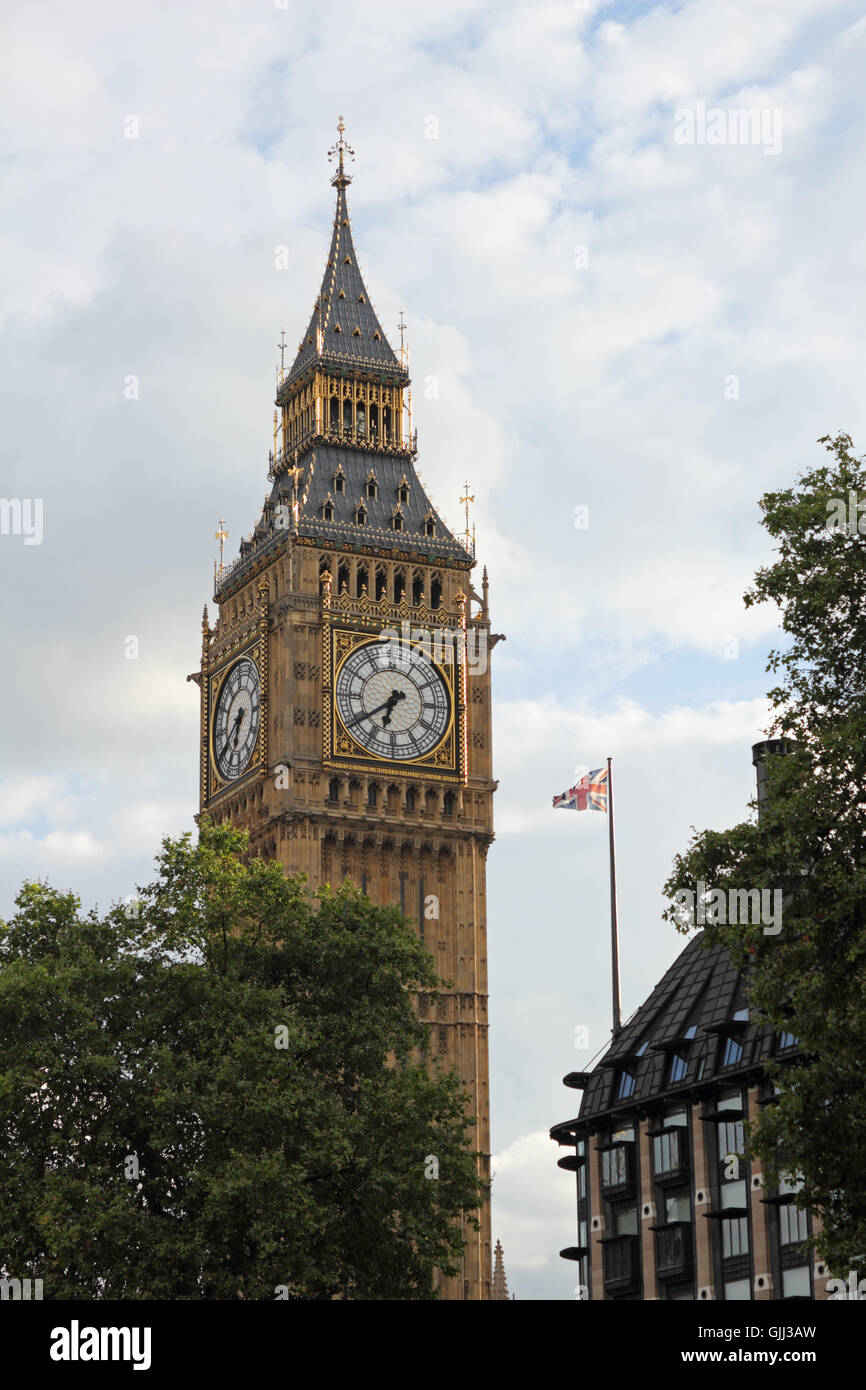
668	1204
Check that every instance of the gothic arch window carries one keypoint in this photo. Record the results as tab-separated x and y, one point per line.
399	585
343	579
347	417
361	418
403	490
324	572
374	421
435	591
333	413
339	479
411	798
334	789
417	588
372	796
381	582
386	422
371	487
448	804
361	581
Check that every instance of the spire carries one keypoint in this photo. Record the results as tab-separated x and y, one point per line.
500	1283
343	330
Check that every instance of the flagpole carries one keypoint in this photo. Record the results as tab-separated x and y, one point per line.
614	931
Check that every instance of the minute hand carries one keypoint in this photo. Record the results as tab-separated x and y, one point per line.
368	714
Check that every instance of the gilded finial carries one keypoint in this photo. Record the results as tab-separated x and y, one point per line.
337	151
222	536
465	501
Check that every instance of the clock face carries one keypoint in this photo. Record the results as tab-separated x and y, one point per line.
236	719
395	708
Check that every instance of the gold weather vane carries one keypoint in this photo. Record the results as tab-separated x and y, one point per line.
340	148
222	536
282	346
465	500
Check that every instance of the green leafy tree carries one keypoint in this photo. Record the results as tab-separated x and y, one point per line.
810	842
221	1090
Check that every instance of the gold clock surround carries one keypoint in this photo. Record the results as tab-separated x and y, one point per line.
444	763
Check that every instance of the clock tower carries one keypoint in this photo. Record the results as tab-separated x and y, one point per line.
345	685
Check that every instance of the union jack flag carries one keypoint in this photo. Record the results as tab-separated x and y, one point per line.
589	793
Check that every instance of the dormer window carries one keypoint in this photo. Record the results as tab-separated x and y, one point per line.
337	328
342	294
361	516
347	260
429	527
397	521
361	299
328	509
377	336
371	486
356	333
339	482
403	491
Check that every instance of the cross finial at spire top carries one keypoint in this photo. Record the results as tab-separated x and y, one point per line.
338	150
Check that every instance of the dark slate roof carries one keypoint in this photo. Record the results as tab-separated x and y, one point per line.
703	988
322	343
316	485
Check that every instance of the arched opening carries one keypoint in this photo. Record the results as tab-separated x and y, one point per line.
436	591
347	417
418	589
361	581
374	421
372	796
324	572
334	415
399	585
334	790
361	418
411	798
361	516
386	423
381	583
343	579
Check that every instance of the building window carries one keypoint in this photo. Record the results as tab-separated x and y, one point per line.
397	521
429	527
403	492
667	1154
732	1053
372	487
786	1040
372	796
732	1139
735	1237
625	1221
793	1225
339	482
625	1085
361	516
448	804
615	1167
796	1283
739	1290
334	789
678	1206
679	1067
327	512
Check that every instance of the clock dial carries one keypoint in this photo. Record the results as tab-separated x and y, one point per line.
394	708
236	719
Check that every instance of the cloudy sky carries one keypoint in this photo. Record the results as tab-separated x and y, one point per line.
609	308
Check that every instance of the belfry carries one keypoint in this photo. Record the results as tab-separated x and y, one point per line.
345	752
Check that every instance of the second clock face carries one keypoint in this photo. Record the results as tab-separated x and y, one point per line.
236	719
395	709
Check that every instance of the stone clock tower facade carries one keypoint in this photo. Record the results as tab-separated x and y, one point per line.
345	685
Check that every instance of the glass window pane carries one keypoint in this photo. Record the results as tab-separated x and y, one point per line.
738	1289
795	1283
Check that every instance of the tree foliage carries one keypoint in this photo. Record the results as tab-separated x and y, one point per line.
221	1091
810	978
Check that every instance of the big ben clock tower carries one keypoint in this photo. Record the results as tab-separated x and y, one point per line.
345	686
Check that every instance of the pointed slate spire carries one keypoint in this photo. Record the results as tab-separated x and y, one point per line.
343	329
500	1283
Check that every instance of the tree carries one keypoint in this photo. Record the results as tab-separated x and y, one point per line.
221	1091
810	842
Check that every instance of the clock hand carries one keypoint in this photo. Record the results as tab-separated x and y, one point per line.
234	733
367	714
391	702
